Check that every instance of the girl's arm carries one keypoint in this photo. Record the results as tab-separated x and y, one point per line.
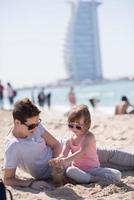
65	149
89	139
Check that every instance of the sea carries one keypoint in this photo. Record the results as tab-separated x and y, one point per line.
109	94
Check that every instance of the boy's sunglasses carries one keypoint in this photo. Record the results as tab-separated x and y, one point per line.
78	127
32	126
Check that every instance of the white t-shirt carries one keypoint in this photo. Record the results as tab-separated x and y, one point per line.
31	154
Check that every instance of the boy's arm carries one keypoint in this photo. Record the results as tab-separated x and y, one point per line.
10	179
53	143
10	166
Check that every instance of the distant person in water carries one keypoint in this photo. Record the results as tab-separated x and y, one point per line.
72	97
93	101
123	106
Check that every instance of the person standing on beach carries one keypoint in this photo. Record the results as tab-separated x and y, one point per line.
41	98
48	98
83	165
11	93
122	107
72	97
29	146
1	94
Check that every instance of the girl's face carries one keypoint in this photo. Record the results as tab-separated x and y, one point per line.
78	128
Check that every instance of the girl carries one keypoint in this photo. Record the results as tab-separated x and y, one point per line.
83	165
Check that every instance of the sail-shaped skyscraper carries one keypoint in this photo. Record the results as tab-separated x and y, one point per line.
82	48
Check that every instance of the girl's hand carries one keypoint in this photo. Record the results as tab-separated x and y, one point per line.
57	162
53	162
62	161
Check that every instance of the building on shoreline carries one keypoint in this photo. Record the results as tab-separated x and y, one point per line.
82	49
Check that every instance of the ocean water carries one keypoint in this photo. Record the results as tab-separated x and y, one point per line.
108	93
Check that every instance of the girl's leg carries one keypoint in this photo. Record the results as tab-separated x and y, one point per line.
117	159
95	175
108	175
78	175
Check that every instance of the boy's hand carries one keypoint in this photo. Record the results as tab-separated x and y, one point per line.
57	162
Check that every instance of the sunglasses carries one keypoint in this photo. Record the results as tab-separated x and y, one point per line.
32	126
78	127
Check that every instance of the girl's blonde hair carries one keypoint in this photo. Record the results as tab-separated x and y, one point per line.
78	112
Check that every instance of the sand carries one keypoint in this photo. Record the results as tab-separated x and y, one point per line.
110	131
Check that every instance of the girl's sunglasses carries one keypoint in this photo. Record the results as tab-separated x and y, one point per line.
78	127
32	126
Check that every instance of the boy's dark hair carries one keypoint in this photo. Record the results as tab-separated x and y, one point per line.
24	109
78	112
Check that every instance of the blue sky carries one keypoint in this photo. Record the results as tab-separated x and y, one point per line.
33	32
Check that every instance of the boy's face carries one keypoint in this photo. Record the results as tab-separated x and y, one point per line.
27	128
78	127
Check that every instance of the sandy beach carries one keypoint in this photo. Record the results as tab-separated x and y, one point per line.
110	131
